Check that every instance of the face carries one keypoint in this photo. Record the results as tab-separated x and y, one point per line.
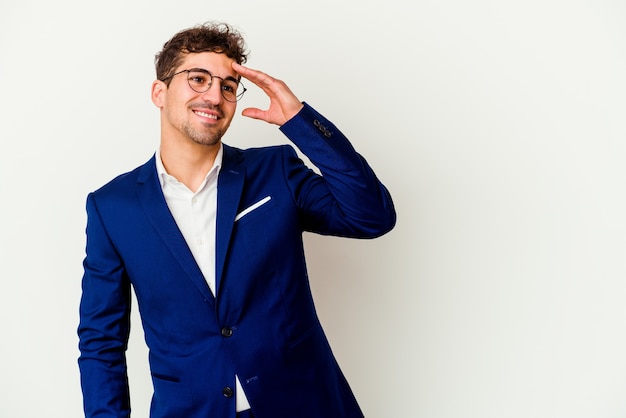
202	118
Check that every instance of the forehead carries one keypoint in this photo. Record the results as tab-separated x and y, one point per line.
217	64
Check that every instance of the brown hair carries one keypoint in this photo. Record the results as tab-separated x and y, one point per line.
208	37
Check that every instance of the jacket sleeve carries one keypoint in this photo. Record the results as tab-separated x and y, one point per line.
347	199
104	324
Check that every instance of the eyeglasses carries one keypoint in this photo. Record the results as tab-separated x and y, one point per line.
201	80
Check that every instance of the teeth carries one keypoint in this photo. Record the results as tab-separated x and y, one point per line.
206	115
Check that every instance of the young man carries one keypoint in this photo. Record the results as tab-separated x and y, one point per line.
210	239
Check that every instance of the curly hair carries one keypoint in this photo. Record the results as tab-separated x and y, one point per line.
207	37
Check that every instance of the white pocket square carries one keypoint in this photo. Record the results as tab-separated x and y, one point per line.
252	207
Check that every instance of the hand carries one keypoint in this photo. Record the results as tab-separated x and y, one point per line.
283	103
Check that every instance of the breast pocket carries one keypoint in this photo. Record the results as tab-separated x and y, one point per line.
262	230
257	206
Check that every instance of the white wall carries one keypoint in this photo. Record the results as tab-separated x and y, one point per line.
499	128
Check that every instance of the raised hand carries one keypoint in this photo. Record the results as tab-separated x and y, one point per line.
283	103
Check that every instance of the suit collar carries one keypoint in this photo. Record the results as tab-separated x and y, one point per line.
154	205
229	186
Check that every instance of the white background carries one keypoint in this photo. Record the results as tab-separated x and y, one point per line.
498	126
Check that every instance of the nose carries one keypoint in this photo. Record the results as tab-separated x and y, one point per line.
214	93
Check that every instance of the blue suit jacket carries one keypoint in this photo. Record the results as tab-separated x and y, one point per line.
262	324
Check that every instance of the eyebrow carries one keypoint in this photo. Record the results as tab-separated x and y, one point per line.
202	70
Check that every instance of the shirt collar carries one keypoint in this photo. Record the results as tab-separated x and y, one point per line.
163	174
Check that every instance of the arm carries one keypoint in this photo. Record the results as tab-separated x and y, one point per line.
104	324
347	199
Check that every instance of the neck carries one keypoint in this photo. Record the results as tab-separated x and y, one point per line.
188	163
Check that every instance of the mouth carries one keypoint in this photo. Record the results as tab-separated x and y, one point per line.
206	115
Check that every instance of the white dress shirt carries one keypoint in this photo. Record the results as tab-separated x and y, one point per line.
195	214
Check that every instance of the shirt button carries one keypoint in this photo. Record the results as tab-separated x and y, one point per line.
227	332
228	392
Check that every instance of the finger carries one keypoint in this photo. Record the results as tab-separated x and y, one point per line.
262	80
254	113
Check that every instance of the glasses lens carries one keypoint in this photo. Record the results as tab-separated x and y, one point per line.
232	90
199	81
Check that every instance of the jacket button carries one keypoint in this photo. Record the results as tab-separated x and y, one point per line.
228	392
227	332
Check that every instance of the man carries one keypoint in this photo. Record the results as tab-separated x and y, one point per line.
210	239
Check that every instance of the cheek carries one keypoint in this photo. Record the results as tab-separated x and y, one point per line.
229	112
174	113
175	104
228	120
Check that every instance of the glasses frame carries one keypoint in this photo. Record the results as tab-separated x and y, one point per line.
211	76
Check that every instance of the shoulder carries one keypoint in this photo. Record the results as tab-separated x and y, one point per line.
125	182
255	151
258	154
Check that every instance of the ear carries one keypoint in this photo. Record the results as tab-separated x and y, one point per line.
158	93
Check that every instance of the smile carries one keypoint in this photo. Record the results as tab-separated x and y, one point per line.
204	114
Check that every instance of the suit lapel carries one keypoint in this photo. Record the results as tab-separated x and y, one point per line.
229	189
153	203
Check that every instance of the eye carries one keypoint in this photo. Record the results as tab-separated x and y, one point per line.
198	78
229	87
